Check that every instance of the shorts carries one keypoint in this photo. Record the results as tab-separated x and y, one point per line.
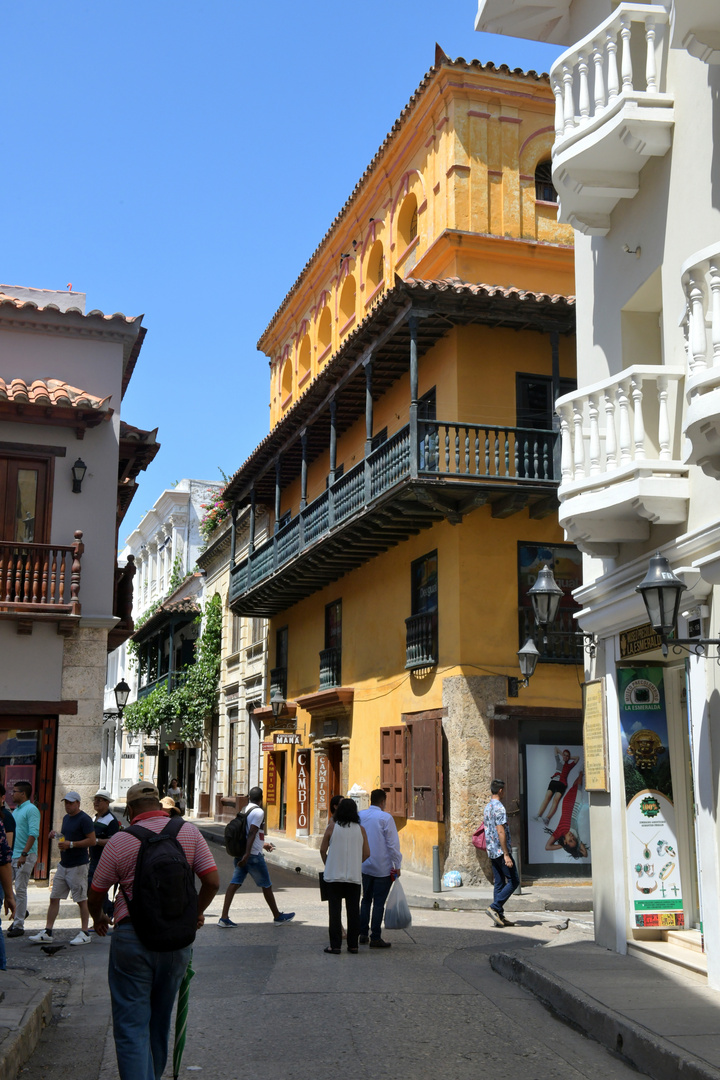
557	787
70	880
256	867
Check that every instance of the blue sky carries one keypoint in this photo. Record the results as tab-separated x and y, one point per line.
184	160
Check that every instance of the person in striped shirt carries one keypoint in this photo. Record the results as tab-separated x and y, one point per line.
143	983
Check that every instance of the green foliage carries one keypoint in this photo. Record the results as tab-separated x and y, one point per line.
190	704
176	577
132	648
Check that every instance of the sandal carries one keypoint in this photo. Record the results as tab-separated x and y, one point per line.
335	952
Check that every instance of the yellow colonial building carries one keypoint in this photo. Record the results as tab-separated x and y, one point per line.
410	475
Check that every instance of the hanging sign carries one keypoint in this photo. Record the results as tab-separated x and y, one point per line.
303	793
267	747
287	738
653	874
271	781
639	639
323	786
595	737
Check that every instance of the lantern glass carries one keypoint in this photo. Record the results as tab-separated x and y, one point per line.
277	704
546	595
78	475
122	693
528	657
661	590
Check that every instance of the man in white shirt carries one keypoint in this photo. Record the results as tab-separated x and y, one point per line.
380	870
253	863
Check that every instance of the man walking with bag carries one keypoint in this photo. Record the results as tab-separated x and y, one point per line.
253	862
151	944
380	870
499	849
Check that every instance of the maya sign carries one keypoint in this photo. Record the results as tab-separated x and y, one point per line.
303	793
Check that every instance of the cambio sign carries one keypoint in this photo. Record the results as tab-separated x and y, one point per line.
303	793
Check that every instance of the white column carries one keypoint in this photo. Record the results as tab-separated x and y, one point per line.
663	419
624	421
559	117
566	454
583	90
611	461
698	336
599	78
594	436
638	420
613	81
626	61
715	310
579	457
569	104
650	73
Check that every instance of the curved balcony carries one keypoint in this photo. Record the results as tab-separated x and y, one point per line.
621	463
611	114
701	322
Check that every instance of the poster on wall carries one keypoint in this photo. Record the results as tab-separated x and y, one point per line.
655	892
557	805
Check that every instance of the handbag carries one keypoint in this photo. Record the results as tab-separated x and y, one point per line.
323	886
478	837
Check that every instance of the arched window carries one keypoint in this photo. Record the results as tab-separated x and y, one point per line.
347	301
286	378
375	266
304	358
407	222
544	187
324	334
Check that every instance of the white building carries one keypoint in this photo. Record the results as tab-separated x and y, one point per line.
165	546
638	176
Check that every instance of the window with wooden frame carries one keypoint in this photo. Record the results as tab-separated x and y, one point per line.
25	499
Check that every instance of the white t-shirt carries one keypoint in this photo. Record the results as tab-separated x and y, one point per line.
256	816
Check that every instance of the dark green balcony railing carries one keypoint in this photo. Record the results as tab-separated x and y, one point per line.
172	680
330	669
421	640
445	450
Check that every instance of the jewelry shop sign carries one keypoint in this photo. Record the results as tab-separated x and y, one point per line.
595	737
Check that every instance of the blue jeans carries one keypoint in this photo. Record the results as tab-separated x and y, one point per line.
375	893
143	987
506	882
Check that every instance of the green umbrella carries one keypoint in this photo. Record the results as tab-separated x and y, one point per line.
181	1019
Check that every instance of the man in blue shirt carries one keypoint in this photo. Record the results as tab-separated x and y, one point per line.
499	849
380	870
27	830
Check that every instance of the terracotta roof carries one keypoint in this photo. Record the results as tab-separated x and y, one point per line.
441	303
137	450
441	60
49	392
29	305
186	603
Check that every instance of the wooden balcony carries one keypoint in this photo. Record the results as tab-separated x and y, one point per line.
446	470
40	582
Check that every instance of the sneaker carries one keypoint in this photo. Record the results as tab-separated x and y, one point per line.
363	939
15	931
506	922
284	916
42	938
495	916
226	922
81	938
380	944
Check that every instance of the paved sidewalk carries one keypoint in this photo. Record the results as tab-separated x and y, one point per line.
664	1022
418	888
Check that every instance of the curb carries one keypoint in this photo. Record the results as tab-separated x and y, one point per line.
21	1039
648	1053
450	900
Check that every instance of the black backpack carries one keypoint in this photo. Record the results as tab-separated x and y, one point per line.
236	832
164	907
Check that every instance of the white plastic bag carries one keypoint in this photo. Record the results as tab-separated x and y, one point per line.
397	910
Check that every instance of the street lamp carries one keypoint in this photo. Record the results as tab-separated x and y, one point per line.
78	475
661	590
122	693
546	595
528	657
277	703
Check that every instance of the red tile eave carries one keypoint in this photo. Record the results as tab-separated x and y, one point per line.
441	60
132	360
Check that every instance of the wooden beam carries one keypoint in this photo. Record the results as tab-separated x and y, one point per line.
510	504
38	708
544	507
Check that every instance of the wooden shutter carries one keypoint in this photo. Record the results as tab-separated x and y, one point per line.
393	769
425	784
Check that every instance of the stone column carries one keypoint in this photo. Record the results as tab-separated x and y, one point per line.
470	701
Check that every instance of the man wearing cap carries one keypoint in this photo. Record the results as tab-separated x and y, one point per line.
71	876
144	983
106	825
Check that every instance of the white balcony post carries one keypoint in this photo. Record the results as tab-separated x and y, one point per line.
698	336
624	405
594	435
611	462
663	419
599	78
612	78
584	89
715	294
579	456
638	421
626	61
569	104
650	73
559	115
566	455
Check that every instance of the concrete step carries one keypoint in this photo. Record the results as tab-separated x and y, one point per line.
685	939
665	952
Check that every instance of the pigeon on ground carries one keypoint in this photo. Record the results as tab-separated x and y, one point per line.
561	926
51	949
298	869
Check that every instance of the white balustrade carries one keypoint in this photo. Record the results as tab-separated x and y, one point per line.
618	426
701	325
577	103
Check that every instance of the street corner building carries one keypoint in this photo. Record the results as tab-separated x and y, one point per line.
68	469
635	166
408	484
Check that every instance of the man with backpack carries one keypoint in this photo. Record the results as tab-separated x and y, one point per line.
157	913
245	841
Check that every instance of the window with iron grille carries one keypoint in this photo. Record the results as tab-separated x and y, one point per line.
565	561
544	187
